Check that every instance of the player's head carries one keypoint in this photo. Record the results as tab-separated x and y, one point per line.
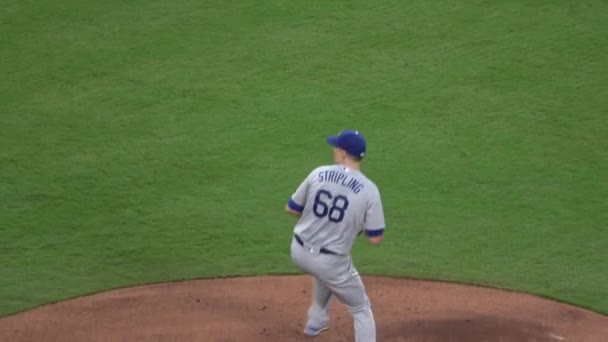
349	145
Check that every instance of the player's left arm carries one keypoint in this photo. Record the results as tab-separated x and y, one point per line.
297	201
374	220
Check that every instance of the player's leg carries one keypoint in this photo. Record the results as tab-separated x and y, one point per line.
339	275
318	313
300	258
344	281
356	300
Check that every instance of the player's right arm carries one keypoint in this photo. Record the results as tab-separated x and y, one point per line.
291	211
374	220
297	201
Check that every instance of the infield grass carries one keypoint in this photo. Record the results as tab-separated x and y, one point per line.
145	141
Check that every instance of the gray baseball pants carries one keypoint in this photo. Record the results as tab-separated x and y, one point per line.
335	275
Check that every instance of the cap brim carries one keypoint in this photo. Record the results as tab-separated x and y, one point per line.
333	141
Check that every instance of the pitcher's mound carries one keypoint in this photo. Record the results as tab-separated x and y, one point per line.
274	309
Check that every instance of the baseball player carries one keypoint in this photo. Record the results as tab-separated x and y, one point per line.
335	204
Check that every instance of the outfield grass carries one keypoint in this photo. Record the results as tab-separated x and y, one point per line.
154	140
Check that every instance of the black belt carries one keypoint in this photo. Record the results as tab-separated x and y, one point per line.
322	250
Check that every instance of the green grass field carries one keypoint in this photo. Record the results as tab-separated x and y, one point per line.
145	141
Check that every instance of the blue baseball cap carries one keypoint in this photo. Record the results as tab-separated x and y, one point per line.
350	141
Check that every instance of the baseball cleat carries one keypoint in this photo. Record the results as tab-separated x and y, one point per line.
310	331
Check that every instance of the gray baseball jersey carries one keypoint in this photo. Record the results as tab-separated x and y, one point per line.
336	204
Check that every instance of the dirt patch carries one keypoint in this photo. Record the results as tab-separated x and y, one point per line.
274	309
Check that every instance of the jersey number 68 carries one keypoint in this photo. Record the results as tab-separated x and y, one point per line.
336	212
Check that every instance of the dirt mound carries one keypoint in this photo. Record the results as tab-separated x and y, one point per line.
274	309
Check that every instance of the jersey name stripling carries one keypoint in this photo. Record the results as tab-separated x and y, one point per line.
341	178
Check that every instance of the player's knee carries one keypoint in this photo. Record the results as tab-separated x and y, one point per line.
364	306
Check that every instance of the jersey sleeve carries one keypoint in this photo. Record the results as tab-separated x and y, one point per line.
297	201
374	216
